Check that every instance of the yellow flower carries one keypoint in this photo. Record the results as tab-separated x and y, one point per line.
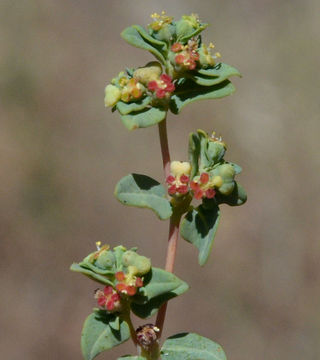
160	21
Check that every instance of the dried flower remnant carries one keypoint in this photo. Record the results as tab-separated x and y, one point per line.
147	335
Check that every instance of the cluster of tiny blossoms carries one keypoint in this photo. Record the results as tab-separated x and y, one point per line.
190	54
202	186
126	285
162	86
110	298
187	55
178	179
160	21
126	89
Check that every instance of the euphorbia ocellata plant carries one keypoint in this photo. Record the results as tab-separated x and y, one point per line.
190	195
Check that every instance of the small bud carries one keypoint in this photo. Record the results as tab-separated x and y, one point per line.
187	25
105	259
178	168
217	181
227	174
142	263
112	95
150	72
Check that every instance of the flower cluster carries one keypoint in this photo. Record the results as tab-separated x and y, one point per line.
187	55
128	284
124	89
108	299
204	186
190	55
162	87
178	179
160	21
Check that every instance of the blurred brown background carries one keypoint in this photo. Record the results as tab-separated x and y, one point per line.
62	152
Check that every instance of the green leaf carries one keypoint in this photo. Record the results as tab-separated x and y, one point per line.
160	286
126	108
91	274
191	346
98	335
189	92
199	228
221	70
236	167
130	357
197	31
194	152
143	118
138	37
236	198
144	192
96	269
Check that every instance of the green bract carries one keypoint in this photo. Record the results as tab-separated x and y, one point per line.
191	346
145	192
186	71
101	332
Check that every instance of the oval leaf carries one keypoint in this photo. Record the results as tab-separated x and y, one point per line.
138	37
188	92
199	228
236	198
215	75
185	38
98	334
130	357
143	118
220	70
126	108
145	192
91	274
194	153
191	346
160	286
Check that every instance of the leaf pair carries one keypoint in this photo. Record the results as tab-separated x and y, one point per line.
187	346
102	332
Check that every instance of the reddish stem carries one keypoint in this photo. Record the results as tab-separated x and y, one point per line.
174	220
164	147
171	255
